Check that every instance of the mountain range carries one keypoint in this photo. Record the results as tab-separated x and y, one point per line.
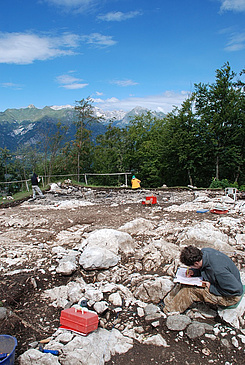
25	126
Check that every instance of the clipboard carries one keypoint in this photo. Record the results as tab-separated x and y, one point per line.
181	277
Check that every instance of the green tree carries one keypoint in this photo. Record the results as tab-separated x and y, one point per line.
181	151
85	116
109	152
5	158
143	138
218	109
52	138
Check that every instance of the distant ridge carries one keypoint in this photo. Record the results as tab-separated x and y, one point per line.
26	125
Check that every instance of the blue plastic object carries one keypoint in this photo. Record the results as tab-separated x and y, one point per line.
53	352
7	346
202	211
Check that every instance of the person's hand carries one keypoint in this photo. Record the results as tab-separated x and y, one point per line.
189	273
207	284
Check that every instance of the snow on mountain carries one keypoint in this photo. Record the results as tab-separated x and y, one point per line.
59	107
109	115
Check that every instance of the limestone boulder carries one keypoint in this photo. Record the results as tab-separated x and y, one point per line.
205	234
138	226
110	239
98	258
153	289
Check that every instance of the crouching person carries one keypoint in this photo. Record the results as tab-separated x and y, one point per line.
221	280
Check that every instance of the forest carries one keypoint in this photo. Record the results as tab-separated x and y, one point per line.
201	143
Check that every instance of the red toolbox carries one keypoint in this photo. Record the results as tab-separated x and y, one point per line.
79	320
152	199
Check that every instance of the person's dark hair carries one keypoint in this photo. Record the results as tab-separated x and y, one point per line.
189	255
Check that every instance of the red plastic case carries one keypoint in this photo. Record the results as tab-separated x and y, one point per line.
78	320
153	199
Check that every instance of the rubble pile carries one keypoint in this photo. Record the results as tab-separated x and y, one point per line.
123	270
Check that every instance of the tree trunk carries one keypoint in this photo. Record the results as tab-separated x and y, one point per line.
217	168
190	178
237	174
78	165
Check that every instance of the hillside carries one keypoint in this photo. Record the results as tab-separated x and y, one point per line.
25	125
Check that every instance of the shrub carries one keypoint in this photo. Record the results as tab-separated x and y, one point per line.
215	184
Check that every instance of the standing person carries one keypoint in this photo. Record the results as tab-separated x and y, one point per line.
221	280
135	183
35	187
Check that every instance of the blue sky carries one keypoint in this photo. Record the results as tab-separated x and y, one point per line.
121	53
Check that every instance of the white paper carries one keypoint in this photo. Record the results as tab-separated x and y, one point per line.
181	277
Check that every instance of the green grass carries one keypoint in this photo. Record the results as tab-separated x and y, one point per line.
18	196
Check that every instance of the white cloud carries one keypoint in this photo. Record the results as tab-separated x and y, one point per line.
67	79
98	39
69	3
124	83
11	85
69	82
236	42
77	5
75	86
118	16
25	48
163	102
236	5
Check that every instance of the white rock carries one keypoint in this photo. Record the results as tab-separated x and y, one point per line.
115	299
100	307
235	342
156	340
111	240
140	312
152	290
75	291
33	356
66	268
234	316
205	235
65	337
137	226
242	338
240	239
93	294
98	258
209	335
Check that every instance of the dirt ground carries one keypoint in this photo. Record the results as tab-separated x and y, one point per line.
33	319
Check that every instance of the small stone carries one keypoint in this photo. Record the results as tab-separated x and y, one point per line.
115	299
33	345
242	337
212	337
234	342
140	312
3	313
178	322
195	329
156	340
151	309
206	351
225	343
155	324
153	317
216	331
